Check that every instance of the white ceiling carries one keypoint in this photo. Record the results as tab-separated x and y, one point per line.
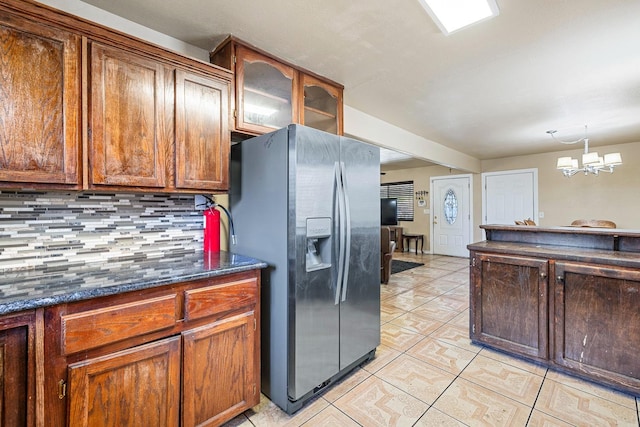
490	91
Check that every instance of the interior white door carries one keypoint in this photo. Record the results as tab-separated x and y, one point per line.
510	195
451	206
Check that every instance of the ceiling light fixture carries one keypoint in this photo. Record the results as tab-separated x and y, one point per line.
452	15
591	162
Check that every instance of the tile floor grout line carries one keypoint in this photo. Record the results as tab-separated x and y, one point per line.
533	407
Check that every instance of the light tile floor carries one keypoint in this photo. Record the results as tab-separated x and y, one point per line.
428	373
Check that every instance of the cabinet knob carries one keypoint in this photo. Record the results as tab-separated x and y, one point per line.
543	275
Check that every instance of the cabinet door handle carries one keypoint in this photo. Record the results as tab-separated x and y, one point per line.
62	389
543	275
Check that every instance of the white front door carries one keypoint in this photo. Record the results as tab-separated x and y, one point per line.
509	196
451	222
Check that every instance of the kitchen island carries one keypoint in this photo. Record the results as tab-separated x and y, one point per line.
565	297
174	340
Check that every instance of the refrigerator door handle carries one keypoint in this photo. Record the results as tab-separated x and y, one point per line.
347	237
341	231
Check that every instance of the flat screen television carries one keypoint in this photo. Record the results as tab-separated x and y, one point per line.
389	211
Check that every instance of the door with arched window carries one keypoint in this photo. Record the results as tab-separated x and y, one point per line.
451	223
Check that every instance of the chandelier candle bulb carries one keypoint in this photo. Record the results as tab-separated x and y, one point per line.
565	163
590	158
612	159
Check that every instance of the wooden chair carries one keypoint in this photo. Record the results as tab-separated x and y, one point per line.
528	221
595	223
387	246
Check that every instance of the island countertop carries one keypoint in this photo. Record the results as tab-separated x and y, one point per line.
607	239
31	288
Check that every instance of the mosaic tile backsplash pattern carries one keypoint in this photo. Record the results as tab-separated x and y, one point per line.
46	229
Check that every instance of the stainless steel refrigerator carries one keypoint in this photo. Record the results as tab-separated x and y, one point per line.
307	203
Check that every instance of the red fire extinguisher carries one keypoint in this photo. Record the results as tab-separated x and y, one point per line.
211	230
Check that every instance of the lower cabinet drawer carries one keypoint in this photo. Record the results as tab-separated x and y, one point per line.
94	328
211	300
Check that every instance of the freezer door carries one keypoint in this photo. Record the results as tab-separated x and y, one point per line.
313	314
360	298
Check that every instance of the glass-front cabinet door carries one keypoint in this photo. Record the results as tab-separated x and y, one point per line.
266	90
322	105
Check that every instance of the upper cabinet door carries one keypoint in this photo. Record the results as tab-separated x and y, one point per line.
321	106
128	130
39	102
202	132
265	92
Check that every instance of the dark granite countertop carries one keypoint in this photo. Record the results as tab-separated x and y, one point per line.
62	283
563	230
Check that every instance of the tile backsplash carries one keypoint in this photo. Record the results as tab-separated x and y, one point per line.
49	229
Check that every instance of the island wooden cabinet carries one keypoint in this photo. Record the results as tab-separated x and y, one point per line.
509	303
566	297
40	103
597	321
128	128
17	370
184	354
271	93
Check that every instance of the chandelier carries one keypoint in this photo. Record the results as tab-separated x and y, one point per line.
591	162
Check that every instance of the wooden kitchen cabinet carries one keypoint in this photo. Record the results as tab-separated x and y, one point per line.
271	93
597	327
135	387
219	374
88	107
17	370
202	132
128	131
184	354
40	89
134	140
265	92
321	105
566	297
509	303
